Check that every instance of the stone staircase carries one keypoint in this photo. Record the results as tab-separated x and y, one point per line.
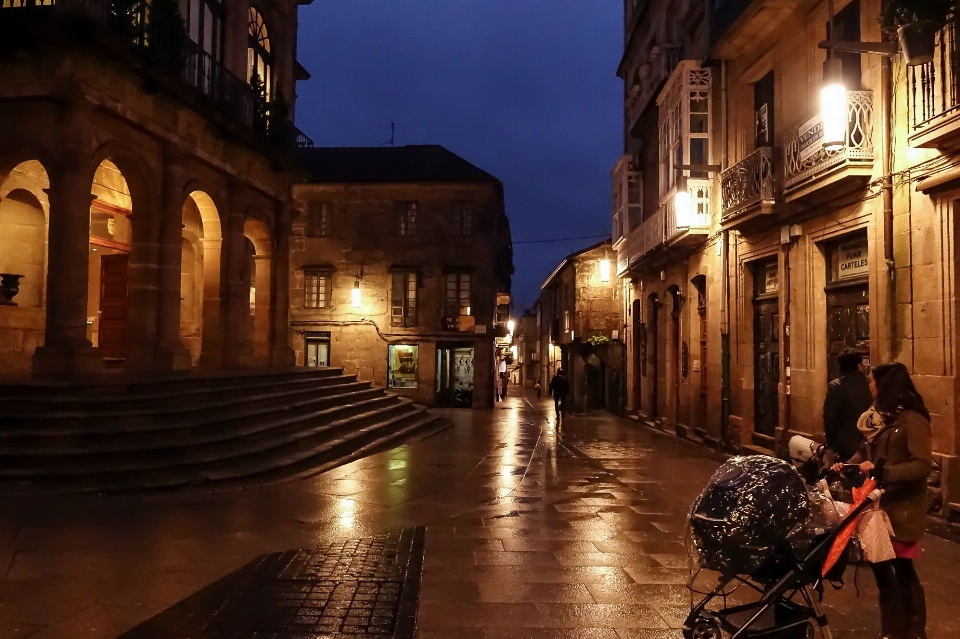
212	431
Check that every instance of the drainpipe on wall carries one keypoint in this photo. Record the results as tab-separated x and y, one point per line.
786	240
725	281
886	92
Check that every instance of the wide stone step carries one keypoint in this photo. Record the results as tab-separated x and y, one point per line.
198	430
136	398
307	455
146	419
283	431
203	431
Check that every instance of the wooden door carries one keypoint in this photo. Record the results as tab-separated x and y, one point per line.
766	368
114	271
702	404
653	341
848	323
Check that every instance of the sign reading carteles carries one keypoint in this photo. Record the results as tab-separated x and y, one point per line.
850	260
810	135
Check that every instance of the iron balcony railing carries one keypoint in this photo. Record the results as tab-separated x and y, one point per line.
934	90
805	158
162	38
750	182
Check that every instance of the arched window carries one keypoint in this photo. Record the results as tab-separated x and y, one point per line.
259	57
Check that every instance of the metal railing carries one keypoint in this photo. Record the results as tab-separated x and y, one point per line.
934	88
804	160
164	41
749	182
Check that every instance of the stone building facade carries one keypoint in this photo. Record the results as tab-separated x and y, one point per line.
739	296
145	172
397	260
579	324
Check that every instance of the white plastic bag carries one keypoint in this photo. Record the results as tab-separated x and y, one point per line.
874	532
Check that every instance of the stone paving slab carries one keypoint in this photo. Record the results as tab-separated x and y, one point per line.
530	532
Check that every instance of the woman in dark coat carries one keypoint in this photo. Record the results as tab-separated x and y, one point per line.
897	430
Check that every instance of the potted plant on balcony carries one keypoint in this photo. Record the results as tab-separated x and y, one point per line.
915	23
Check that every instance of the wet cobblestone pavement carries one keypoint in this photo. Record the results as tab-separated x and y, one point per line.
529	535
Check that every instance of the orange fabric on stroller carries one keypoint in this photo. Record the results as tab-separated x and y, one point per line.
841	541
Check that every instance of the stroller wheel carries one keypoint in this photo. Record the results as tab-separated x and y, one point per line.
702	629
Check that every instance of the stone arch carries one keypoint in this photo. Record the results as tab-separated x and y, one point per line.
24	224
258	274
142	196
200	296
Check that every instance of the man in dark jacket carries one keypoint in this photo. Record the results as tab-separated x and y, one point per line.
848	397
559	389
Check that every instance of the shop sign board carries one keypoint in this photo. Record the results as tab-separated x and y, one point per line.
810	135
850	260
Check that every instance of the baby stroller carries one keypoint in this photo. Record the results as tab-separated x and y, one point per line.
752	526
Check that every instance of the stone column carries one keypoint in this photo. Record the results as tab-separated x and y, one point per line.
236	303
66	349
211	345
171	354
282	354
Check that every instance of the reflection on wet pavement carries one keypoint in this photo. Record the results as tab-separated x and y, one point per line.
530	533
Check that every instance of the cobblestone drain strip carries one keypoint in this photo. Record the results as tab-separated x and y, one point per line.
359	588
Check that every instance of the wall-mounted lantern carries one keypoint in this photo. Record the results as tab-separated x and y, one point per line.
604	270
833	105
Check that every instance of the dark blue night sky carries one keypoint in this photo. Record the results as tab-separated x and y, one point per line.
525	89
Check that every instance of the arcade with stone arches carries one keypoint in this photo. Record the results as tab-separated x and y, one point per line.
127	261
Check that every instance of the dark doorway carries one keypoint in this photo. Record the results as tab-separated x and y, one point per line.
639	338
455	373
652	342
766	349
700	283
766	334
848	323
114	270
594	377
676	355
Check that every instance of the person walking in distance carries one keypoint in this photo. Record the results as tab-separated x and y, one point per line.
539	389
559	389
896	433
848	397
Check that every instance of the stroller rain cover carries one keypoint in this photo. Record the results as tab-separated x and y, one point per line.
747	510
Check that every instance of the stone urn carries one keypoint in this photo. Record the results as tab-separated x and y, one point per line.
9	287
918	41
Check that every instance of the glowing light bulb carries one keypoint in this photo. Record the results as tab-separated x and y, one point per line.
833	106
604	270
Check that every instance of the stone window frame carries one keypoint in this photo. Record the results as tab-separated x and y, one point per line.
405	213
322	298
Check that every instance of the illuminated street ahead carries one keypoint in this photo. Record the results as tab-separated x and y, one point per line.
527	535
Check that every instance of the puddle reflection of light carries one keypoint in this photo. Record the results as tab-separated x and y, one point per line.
347	511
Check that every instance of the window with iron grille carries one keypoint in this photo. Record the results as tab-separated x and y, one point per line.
316	289
406	219
461	219
403	296
318	219
458	294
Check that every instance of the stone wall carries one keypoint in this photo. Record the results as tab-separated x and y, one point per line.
362	247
